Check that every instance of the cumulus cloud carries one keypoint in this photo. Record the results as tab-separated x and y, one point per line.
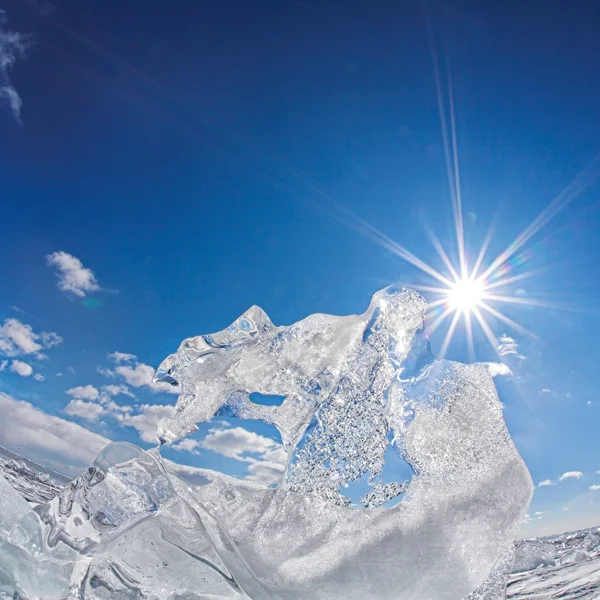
545	483
266	457
498	369
120	357
570	475
39	377
507	346
21	368
147	419
18	338
116	390
84	392
187	445
12	47
141	375
72	275
236	443
85	410
595	487
46	438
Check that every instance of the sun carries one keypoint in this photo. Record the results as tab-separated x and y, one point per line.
465	295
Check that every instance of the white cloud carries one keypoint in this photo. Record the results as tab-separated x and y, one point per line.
498	368
72	275
84	392
146	421
545	483
12	47
120	357
187	445
3	364
268	464
566	508
117	390
45	438
39	377
85	410
508	347
570	475
237	442
141	375
59	374
589	402
105	372
546	391
595	487
21	368
17	338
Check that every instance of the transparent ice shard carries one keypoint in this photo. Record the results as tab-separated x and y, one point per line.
355	389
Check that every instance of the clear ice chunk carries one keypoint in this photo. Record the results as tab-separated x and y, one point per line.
355	389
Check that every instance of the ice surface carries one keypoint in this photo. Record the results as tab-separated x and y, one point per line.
354	387
566	566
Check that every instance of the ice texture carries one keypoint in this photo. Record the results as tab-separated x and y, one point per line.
354	387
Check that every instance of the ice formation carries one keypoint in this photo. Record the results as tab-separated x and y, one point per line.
354	387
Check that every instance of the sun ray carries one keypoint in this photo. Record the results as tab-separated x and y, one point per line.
449	335
481	255
458	214
506	320
486	329
515	278
469	330
428	288
576	187
442	253
533	302
433	327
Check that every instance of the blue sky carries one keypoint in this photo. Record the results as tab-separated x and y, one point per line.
162	172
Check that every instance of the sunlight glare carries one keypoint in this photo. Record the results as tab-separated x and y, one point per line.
465	294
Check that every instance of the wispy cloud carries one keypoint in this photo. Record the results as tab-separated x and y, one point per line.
545	483
72	276
18	338
120	357
498	369
3	365
545	391
508	346
12	47
595	487
571	475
